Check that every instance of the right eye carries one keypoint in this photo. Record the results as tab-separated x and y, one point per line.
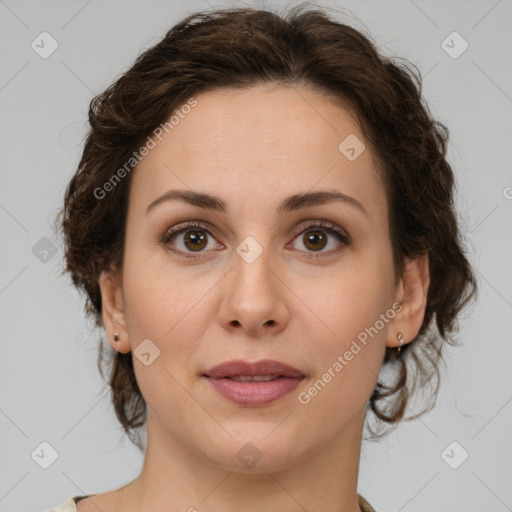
191	237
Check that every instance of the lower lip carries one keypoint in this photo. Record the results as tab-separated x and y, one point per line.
255	393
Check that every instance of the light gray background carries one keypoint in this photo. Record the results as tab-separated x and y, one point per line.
50	387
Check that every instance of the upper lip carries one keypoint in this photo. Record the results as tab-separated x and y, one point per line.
263	367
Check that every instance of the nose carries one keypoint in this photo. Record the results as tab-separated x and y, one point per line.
253	298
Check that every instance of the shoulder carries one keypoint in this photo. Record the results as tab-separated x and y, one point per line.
364	505
68	506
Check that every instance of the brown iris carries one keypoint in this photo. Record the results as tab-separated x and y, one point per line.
196	238
315	240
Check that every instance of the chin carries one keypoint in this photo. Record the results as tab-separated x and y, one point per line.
254	450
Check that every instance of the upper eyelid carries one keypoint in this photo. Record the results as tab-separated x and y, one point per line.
309	223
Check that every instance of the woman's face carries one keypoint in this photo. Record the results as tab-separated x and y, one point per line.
259	279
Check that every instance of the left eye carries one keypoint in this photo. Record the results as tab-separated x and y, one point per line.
315	238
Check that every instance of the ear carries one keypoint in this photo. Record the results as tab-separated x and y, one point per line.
411	293
113	311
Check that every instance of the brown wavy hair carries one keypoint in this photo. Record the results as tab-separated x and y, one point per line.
238	48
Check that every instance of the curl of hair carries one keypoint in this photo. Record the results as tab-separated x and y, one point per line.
239	48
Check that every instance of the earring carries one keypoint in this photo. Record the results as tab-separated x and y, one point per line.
400	337
116	337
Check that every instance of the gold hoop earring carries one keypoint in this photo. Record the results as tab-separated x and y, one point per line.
400	338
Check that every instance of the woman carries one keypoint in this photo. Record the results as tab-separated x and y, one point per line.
261	220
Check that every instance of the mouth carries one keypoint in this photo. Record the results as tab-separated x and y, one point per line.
254	378
254	384
266	368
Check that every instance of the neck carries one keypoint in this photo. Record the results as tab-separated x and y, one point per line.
174	477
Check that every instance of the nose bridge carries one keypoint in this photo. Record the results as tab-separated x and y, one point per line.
252	297
251	273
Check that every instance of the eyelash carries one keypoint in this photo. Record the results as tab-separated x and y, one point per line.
326	226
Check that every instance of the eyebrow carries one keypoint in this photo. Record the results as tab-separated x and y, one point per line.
291	203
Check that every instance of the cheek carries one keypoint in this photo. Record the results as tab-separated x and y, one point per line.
350	298
148	315
168	312
352	310
167	306
156	296
348	359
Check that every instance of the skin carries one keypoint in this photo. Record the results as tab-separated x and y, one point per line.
253	148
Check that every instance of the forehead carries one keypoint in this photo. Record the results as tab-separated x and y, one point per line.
254	141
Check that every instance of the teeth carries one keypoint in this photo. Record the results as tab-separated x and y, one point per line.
255	378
